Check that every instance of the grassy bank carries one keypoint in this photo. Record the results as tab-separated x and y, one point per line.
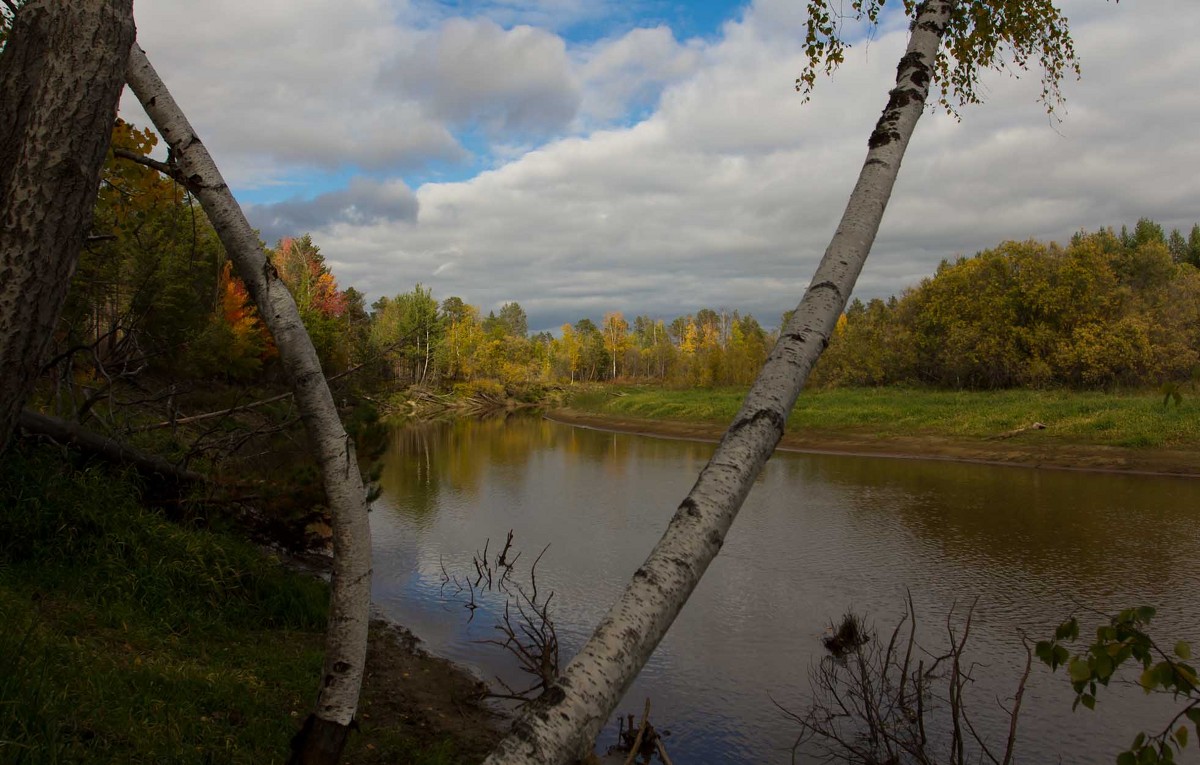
128	638
1133	419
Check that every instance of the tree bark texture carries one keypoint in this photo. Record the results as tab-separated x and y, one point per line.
346	636
61	74
562	725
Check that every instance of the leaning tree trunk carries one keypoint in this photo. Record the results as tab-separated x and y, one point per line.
565	720
61	74
325	732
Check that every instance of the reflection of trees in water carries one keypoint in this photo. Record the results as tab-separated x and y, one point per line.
1061	526
426	459
617	450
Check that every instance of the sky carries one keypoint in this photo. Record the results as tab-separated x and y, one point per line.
652	156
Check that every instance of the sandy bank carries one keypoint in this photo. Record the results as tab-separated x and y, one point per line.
1032	449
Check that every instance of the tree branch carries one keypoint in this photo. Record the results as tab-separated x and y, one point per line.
169	170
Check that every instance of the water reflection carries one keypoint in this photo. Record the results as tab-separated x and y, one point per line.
819	534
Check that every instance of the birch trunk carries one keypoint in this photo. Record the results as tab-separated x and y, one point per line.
61	74
564	722
325	731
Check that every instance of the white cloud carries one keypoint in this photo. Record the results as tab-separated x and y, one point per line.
279	84
631	69
514	81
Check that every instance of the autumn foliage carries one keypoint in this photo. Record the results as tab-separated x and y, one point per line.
153	290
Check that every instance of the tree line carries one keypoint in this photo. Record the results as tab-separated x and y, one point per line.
154	290
1109	309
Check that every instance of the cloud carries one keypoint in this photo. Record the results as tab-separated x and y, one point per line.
554	15
631	70
364	202
279	85
510	81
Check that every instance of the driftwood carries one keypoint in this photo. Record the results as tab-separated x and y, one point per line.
156	469
1018	431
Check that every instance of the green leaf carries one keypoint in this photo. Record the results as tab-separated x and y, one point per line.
1044	650
1188	677
1181	736
1148	679
1166	674
1104	666
1088	700
1126	758
1183	650
1059	657
1145	614
1068	630
1079	671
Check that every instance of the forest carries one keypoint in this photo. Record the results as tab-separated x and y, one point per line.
155	293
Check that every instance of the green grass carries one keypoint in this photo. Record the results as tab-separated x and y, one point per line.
1127	419
126	638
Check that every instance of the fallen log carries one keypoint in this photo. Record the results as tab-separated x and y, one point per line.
158	471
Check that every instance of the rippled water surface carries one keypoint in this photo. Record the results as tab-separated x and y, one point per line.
818	535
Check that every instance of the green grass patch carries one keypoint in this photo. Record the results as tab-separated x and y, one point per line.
1129	419
126	638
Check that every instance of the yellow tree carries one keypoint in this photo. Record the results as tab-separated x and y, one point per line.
571	350
464	336
616	337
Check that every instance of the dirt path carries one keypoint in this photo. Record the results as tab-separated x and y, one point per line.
1033	448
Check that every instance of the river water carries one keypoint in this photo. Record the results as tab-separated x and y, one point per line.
819	535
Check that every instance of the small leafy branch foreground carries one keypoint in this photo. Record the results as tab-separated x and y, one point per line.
1123	638
526	628
886	704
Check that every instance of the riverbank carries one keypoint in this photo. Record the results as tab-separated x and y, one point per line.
1128	432
126	636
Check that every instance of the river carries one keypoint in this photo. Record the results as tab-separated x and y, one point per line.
819	535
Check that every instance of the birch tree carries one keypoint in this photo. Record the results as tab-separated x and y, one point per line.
325	731
951	41
61	73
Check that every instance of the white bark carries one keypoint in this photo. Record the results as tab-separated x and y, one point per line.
565	721
346	638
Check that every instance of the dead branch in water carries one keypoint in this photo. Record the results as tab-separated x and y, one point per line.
873	705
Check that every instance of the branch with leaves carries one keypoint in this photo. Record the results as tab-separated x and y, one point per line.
1120	639
982	35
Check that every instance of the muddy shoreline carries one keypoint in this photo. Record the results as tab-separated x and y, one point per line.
1032	449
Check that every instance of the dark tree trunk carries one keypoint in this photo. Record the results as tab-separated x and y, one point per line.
60	77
